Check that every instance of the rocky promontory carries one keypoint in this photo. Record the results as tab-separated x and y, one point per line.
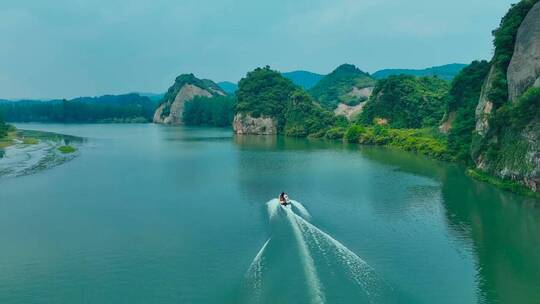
185	88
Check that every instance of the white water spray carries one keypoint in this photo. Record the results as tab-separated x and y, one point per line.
301	209
273	206
254	273
306	233
357	269
317	295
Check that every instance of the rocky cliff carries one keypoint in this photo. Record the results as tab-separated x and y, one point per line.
524	69
185	88
245	124
507	135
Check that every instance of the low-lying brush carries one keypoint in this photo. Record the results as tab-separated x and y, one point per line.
67	149
422	141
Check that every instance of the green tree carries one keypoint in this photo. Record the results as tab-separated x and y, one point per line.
337	86
264	92
462	100
407	102
211	111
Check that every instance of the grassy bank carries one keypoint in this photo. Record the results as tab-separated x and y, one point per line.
422	141
500	183
67	149
429	142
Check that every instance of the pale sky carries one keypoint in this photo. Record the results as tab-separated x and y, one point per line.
70	48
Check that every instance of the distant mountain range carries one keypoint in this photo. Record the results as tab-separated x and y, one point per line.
228	87
304	79
446	72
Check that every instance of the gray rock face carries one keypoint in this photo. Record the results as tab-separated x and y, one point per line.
245	124
524	69
518	154
485	106
186	93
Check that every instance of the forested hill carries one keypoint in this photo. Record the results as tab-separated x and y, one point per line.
406	101
344	85
446	72
108	108
269	103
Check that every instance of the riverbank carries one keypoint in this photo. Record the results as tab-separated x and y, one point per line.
428	142
24	152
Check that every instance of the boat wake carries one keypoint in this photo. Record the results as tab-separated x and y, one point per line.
313	243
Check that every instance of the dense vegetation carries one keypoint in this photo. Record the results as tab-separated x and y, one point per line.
215	111
446	72
461	102
407	102
264	92
108	108
305	118
267	93
337	86
423	141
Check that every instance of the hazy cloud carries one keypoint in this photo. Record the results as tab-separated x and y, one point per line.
68	48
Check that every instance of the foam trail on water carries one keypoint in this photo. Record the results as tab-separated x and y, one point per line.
301	209
254	273
309	265
358	269
272	206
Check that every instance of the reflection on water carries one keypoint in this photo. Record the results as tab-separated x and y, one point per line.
503	228
157	214
2	153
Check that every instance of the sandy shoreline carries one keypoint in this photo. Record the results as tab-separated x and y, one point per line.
34	151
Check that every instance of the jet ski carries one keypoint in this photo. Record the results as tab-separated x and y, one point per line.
284	199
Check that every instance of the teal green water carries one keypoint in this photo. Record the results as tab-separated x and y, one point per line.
154	214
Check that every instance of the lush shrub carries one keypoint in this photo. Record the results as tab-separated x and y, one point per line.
353	133
335	133
303	117
422	141
214	111
500	183
67	149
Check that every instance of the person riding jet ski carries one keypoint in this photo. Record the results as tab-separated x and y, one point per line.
283	199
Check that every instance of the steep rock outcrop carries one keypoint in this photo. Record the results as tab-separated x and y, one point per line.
350	112
185	88
485	106
245	124
507	143
524	69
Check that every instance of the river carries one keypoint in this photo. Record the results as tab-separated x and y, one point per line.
156	214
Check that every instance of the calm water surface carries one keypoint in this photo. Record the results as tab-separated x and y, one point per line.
154	214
